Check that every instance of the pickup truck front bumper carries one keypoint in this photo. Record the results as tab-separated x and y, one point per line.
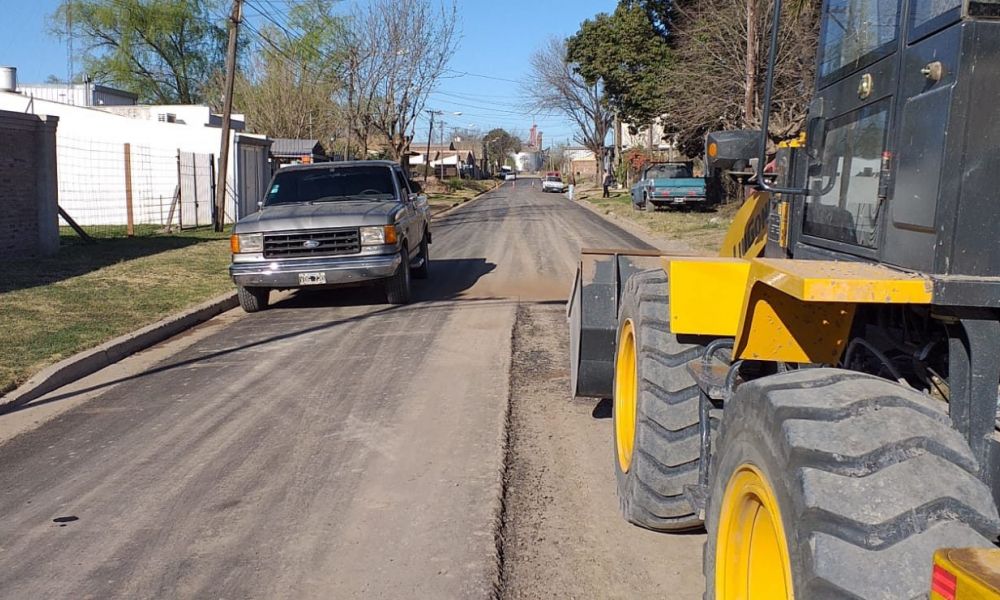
337	270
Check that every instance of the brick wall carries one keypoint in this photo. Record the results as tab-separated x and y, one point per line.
28	202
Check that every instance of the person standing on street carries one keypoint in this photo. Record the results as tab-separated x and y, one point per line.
607	184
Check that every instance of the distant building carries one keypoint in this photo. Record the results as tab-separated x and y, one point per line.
455	159
78	94
181	114
648	137
286	151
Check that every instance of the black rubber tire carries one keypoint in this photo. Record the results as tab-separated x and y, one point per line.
870	478
667	447
424	270
398	288
648	206
253	299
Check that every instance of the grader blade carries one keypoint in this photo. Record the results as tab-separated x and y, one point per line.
592	313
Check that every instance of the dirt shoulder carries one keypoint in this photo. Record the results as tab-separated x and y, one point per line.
563	534
700	231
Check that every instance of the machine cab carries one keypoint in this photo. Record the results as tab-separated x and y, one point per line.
898	169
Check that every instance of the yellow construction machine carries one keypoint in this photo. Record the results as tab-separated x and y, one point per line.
822	396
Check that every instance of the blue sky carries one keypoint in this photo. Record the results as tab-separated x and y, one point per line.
497	41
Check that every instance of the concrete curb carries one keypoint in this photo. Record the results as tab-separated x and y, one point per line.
90	361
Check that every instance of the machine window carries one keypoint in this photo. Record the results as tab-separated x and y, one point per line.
925	10
844	204
853	29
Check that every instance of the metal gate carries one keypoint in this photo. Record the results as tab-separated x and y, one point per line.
196	173
253	172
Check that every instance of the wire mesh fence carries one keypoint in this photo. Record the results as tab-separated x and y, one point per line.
115	190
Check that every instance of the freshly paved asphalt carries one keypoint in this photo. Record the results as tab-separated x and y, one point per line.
332	447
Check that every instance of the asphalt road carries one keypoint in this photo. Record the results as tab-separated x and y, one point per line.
334	447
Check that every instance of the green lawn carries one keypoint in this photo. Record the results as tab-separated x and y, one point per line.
51	308
702	230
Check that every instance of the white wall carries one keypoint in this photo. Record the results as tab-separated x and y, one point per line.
91	165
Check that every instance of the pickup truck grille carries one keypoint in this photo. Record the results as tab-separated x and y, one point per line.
328	242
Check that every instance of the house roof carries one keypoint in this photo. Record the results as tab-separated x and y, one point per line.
291	147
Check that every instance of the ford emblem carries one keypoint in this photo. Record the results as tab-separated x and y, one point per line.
310	244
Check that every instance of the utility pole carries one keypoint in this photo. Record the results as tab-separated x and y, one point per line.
227	112
430	134
441	128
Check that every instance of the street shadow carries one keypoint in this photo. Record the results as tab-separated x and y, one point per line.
75	259
182	362
450	277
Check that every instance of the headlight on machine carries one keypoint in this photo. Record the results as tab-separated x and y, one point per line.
379	236
246	243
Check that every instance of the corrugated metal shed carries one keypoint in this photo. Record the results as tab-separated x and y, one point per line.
290	148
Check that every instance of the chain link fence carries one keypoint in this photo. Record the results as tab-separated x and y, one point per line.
109	190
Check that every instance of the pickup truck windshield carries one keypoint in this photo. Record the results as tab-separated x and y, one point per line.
336	184
668	172
550	178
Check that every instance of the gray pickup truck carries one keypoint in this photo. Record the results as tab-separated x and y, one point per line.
332	224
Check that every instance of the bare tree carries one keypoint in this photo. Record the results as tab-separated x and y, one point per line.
721	48
555	85
293	75
396	51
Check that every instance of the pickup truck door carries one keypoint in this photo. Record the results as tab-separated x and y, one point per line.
412	221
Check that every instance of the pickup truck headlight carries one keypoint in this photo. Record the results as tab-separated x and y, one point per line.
379	236
246	243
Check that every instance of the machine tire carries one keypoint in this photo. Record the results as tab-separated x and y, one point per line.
398	289
253	299
867	477
647	205
666	443
424	270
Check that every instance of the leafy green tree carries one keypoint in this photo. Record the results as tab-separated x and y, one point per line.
163	50
293	75
625	52
500	145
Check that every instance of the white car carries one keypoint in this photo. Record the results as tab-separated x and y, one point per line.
551	183
510	176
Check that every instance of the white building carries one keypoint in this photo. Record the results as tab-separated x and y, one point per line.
78	94
648	137
91	161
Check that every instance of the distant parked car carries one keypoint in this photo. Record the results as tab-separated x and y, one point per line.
331	224
511	176
668	184
553	183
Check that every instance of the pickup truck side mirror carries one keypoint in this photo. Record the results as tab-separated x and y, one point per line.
416	187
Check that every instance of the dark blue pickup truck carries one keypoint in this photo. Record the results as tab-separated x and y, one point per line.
668	184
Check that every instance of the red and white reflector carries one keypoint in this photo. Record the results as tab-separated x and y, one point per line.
943	583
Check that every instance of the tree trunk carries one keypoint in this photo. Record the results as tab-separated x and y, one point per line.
753	40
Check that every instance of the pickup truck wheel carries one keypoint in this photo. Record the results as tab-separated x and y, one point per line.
397	287
424	270
253	299
648	206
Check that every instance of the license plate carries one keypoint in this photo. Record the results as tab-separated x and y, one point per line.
312	278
